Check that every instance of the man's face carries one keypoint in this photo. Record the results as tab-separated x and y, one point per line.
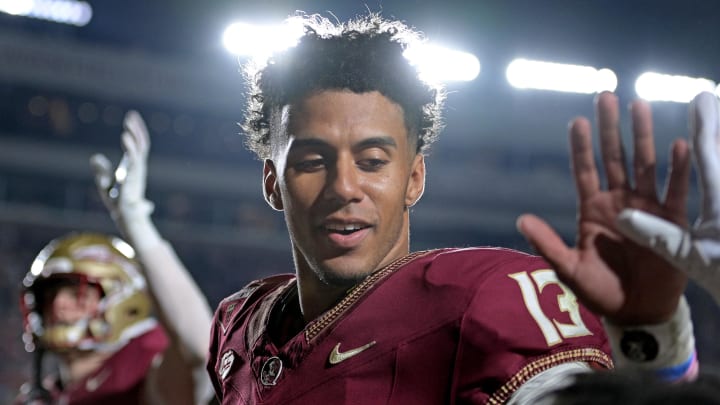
69	303
345	174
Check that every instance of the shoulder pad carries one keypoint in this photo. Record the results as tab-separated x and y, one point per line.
235	303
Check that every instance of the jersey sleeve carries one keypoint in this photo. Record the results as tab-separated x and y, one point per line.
520	322
213	350
225	323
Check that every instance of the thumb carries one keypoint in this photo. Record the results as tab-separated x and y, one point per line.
663	237
102	168
549	245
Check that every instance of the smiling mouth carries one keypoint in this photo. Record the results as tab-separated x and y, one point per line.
348	229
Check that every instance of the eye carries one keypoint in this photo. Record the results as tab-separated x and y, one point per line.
372	164
309	165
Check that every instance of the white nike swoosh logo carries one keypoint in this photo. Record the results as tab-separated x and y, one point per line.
336	356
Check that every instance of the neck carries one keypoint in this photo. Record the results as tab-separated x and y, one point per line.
315	296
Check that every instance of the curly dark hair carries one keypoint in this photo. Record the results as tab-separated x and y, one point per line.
361	55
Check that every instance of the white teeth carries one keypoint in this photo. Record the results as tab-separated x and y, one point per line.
346	228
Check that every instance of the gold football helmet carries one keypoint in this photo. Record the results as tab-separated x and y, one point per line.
86	259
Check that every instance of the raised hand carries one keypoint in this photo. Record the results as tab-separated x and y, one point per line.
611	274
123	190
697	250
183	310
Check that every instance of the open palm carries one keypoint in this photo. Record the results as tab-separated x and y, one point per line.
612	275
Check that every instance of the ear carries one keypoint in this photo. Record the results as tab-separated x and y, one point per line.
271	188
416	183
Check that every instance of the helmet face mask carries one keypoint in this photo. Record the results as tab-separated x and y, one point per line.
78	264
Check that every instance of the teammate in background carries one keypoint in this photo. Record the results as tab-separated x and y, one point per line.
85	300
89	302
342	122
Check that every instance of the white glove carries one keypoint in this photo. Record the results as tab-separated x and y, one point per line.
695	251
123	191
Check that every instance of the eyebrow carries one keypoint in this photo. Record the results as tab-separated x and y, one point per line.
376	141
308	143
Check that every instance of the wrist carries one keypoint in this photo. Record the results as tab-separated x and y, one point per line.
668	348
135	208
133	220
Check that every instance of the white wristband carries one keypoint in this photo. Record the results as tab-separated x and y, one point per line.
654	347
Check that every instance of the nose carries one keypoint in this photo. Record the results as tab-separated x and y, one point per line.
67	308
71	305
344	181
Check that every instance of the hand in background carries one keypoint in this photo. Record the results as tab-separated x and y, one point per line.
123	190
696	251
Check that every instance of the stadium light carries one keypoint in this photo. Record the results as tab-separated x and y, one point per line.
260	41
435	63
439	64
71	12
16	7
533	74
654	86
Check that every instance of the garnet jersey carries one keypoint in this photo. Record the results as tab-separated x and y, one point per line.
121	378
444	326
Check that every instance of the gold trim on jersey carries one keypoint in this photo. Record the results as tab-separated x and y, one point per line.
328	318
584	355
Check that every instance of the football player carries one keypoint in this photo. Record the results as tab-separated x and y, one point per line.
342	122
79	281
86	301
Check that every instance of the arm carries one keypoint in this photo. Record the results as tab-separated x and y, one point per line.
538	390
627	284
184	311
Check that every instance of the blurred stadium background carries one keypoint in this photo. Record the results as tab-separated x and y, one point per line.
64	89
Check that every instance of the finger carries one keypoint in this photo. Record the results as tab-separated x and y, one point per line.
582	159
130	146
644	145
102	168
611	148
678	184
136	126
548	244
598	289
705	136
663	237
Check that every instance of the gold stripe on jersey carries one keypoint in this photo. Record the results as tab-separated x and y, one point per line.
355	293
536	367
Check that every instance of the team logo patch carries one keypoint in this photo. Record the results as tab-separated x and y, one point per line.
226	364
271	371
639	346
